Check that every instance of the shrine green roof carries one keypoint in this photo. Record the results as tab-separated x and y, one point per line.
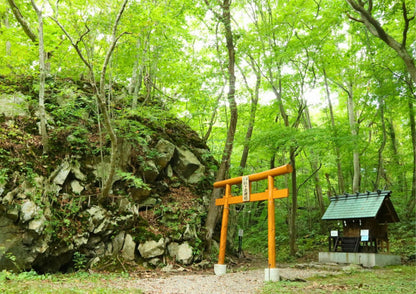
360	205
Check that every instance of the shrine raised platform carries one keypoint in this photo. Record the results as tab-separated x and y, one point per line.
364	259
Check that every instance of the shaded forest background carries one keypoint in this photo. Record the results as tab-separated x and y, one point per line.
327	86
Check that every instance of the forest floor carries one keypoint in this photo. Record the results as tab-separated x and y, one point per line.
242	277
238	280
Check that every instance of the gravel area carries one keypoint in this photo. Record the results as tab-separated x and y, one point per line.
238	282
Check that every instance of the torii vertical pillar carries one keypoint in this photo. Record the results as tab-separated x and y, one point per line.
271	272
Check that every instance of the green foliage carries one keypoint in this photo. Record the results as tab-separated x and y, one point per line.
134	181
67	218
4	176
80	261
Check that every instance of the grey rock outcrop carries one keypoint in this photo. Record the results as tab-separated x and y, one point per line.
50	209
165	151
187	166
152	248
28	211
129	247
13	104
183	253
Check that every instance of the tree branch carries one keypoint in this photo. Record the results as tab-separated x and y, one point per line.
406	23
377	30
25	25
310	176
75	45
112	46
354	19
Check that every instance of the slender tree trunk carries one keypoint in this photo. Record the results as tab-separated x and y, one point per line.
380	169
101	96
213	211
136	78
254	101
8	44
138	69
42	76
294	206
105	113
315	166
396	157
42	67
277	90
354	133
341	182
412	200
213	117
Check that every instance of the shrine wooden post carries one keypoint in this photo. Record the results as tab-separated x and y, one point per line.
270	194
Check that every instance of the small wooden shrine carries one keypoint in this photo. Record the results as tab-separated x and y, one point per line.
364	218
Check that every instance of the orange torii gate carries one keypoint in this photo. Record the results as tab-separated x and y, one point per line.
270	194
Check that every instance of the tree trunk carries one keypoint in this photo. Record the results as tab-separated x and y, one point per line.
213	117
42	55
137	76
294	206
341	183
396	157
315	166
42	75
101	97
7	25
213	211
412	200
254	101
380	169
354	133
104	110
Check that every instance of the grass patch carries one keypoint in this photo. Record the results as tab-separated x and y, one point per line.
80	282
394	279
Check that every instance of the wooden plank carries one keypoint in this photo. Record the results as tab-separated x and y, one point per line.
282	193
281	170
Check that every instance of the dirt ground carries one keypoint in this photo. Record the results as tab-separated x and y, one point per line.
240	278
250	281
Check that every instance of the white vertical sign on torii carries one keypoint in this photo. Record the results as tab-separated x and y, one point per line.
245	183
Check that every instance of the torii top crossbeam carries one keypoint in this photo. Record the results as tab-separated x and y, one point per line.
281	170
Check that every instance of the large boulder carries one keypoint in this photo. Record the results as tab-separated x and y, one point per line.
183	253
37	225
149	171
99	219
129	248
13	104
28	211
150	249
117	243
187	166
18	249
165	151
62	172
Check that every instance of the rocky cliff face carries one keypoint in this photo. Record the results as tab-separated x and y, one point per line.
49	217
